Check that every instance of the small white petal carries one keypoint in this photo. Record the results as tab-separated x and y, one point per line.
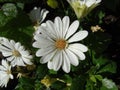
66	63
44	51
4	49
79	47
20	62
10	58
66	23
43	13
51	29
72	57
78	53
50	64
11	76
58	25
57	60
6	54
5	64
90	2
48	57
27	61
98	1
17	45
42	42
8	44
78	36
72	29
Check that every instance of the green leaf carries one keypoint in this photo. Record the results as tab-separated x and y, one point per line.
20	5
110	67
108	85
25	84
78	83
103	64
9	10
99	39
52	3
92	77
3	19
99	77
41	71
52	72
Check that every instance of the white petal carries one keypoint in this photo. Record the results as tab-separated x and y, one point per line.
12	42
19	62
5	64
50	64
79	47
57	60
2	68
66	63
78	36
44	51
13	62
72	29
90	2
51	29
58	25
11	76
43	15
17	45
4	49
48	57
10	58
27	61
8	44
24	52
98	1
80	54
66	23
42	42
6	54
72	57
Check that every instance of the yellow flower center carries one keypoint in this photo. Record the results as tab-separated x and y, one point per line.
8	72
60	44
16	53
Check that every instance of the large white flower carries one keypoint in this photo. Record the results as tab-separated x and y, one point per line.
15	53
37	15
58	45
83	7
5	73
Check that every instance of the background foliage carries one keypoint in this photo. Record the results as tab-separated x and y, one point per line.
102	63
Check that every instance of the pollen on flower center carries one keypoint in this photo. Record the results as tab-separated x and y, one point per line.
16	53
8	72
60	44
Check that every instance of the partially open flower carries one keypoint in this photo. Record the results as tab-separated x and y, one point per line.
83	7
37	16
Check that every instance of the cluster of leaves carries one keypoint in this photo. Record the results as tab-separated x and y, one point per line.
91	74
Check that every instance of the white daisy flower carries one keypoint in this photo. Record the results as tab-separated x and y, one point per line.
5	73
37	15
58	44
83	7
15	53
